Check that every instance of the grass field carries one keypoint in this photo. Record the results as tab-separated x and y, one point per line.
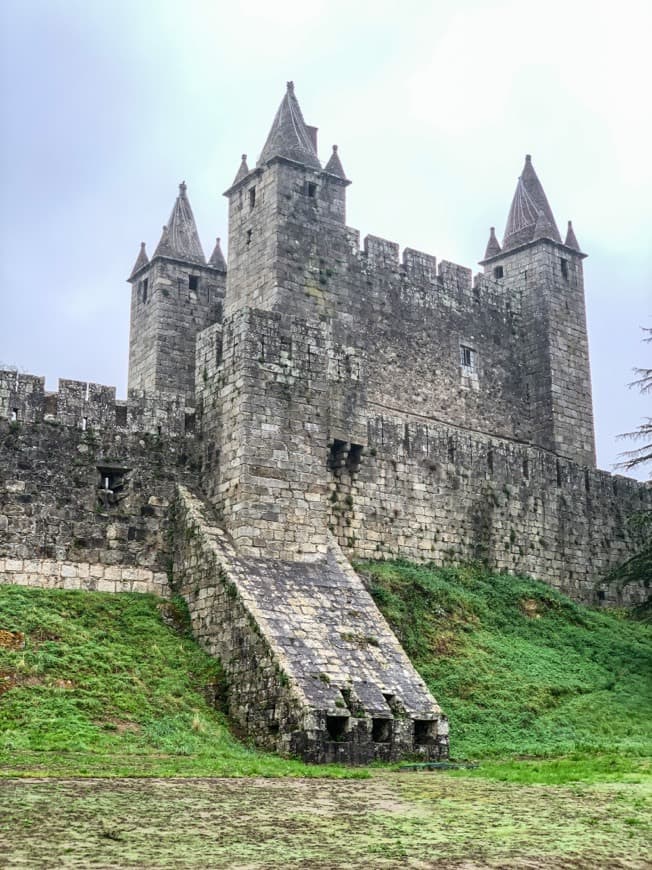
113	749
113	685
520	669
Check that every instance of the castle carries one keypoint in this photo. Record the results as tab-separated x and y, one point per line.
317	402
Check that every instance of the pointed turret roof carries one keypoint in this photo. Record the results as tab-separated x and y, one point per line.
243	170
571	238
334	165
493	245
289	136
180	239
142	260
217	260
524	214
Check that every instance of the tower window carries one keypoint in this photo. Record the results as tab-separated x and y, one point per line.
193	282
143	289
564	268
248	237
467	359
498	271
310	189
252	197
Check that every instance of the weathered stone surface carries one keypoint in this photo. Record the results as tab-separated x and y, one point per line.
313	667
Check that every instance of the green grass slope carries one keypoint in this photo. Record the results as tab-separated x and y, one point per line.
520	669
107	684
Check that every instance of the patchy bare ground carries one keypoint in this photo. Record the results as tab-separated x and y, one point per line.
393	820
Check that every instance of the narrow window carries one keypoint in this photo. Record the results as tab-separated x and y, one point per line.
248	237
311	189
498	272
564	269
252	197
14	415
143	290
193	282
490	461
601	595
84	424
526	469
467	359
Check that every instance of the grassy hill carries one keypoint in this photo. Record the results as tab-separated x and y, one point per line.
101	684
114	685
520	669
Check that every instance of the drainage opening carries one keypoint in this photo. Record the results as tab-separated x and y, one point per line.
424	731
381	730
337	727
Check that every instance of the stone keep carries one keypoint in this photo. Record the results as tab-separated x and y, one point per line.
320	401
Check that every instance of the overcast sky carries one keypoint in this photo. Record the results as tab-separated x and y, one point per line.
108	104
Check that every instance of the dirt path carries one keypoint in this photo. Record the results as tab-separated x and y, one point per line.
390	821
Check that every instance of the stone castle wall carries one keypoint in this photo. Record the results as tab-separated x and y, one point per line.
302	449
428	492
87	506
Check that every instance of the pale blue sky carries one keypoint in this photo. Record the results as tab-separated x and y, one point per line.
106	106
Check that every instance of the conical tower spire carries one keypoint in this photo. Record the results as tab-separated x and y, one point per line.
180	239
493	245
141	260
217	260
571	238
524	214
243	170
289	136
334	165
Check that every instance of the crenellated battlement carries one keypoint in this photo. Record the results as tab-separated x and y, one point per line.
88	406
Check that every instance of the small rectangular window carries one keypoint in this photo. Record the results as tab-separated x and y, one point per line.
467	359
252	197
248	237
311	189
498	272
14	415
193	282
564	268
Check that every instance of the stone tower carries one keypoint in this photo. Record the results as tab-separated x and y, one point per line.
174	296
548	273
281	214
284	216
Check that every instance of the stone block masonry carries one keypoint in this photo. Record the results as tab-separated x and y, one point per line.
313	668
86	576
428	492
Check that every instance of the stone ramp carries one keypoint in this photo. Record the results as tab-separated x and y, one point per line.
312	665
